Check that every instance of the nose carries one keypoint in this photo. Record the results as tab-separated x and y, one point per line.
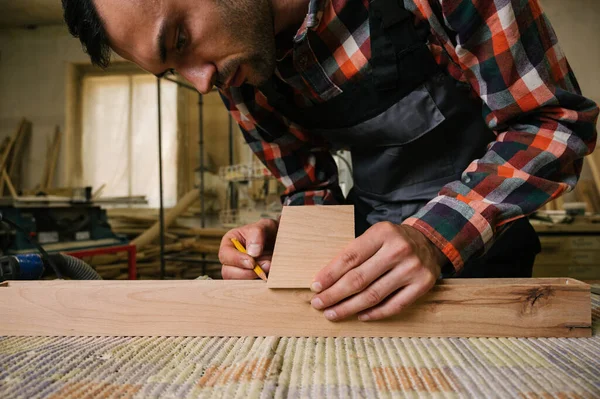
202	77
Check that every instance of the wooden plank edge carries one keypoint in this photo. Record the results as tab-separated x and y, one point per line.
248	308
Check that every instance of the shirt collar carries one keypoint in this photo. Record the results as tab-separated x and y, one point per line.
312	19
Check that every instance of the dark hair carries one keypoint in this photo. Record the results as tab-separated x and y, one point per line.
84	22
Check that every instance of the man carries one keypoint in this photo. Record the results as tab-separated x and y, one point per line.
462	116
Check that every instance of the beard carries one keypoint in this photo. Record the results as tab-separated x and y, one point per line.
249	22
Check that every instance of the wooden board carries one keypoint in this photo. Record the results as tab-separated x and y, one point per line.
308	238
454	308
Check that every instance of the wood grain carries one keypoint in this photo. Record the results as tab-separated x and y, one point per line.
454	308
308	238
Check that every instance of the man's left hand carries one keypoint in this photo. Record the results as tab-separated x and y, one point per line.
379	274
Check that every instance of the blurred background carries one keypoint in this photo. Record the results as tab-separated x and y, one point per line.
80	166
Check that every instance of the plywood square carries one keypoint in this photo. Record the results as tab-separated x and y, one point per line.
309	237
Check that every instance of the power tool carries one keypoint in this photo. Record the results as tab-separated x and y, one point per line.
34	267
37	266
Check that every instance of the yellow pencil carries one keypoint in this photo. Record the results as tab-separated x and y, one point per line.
257	268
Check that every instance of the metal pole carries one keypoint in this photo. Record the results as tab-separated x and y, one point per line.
201	134
230	139
231	184
160	184
201	142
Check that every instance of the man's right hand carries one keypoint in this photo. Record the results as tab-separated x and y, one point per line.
258	239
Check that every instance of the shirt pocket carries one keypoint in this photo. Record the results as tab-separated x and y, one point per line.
403	146
315	84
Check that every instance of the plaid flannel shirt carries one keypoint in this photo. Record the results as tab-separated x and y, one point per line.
506	50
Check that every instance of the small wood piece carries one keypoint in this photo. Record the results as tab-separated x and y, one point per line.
98	192
11	187
51	160
309	237
14	167
453	308
7	150
13	155
152	233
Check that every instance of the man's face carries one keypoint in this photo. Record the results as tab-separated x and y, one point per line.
209	42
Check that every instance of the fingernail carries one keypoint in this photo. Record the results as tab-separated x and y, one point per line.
253	250
249	264
316	303
266	266
316	287
364	317
330	314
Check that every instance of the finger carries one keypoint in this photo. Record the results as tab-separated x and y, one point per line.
229	255
265	263
371	296
259	236
355	254
229	272
354	281
396	303
235	273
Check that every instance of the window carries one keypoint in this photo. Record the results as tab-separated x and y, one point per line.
120	136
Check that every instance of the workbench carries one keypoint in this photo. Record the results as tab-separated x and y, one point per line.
571	250
265	367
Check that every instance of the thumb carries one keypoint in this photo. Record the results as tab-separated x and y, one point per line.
255	238
254	249
259	236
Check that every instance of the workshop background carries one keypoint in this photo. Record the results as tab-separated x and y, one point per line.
79	163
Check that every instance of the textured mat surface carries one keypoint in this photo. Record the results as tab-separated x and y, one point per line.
301	367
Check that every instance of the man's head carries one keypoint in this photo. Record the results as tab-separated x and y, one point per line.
209	42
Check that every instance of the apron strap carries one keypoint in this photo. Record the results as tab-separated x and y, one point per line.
401	56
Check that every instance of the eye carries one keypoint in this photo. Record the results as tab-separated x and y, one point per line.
181	40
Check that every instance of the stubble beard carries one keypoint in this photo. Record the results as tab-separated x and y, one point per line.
250	22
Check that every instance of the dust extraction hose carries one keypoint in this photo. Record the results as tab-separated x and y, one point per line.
74	268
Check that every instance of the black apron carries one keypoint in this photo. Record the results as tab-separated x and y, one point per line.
411	129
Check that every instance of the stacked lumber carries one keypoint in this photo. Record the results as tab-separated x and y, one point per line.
180	241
